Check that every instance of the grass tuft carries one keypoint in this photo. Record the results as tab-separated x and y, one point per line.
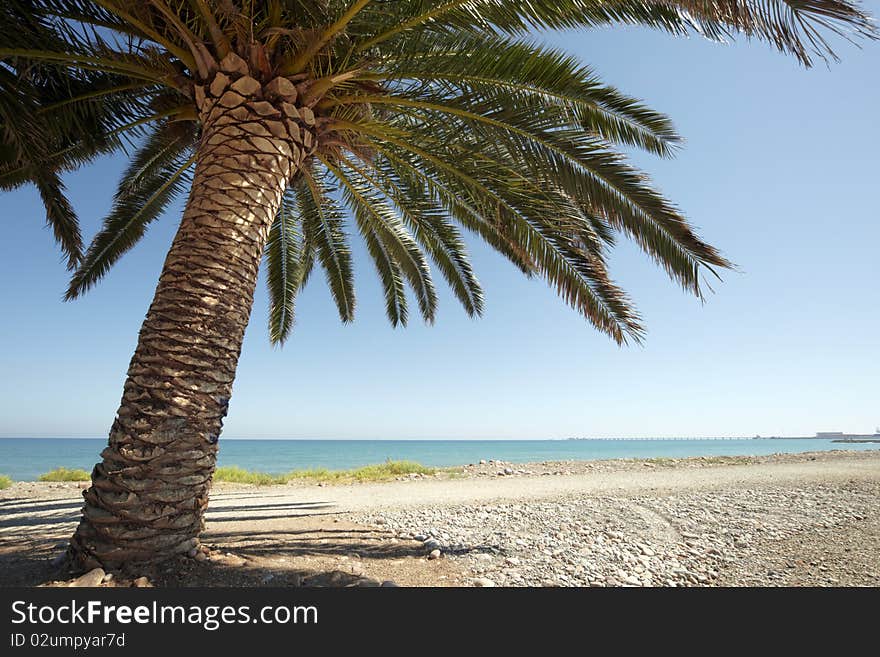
5	482
64	474
379	472
236	475
727	460
659	460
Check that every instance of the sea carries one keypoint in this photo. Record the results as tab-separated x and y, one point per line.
25	459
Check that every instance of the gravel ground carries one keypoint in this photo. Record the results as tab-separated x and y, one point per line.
813	534
791	520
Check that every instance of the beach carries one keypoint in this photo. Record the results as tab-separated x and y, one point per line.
808	519
25	459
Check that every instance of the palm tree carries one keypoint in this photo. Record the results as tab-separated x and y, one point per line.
287	119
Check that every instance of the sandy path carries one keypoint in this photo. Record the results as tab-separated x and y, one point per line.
283	535
264	503
264	509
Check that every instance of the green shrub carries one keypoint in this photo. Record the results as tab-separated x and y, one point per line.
236	475
5	482
64	474
380	472
390	469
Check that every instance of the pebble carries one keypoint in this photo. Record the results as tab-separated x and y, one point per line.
692	538
434	554
366	582
90	579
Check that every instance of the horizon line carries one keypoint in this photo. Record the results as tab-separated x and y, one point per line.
564	439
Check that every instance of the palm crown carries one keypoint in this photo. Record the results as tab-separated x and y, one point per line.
429	116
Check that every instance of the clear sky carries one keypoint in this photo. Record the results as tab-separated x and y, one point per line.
780	171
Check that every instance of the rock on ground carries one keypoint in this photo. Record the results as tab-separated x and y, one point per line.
813	534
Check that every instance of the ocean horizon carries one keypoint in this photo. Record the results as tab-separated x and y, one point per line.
25	459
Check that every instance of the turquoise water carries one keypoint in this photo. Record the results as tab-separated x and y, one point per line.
24	459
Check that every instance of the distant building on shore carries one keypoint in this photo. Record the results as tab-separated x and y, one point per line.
839	436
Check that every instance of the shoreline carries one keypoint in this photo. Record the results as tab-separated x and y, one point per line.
789	519
27	460
501	468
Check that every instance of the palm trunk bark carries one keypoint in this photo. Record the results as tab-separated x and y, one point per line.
149	493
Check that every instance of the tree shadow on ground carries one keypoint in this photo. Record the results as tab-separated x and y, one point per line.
317	554
27	570
264	543
27	513
28	565
316	542
186	573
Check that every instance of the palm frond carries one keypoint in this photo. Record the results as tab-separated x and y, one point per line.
323	227
431	118
525	214
26	145
288	260
372	208
797	27
503	72
158	173
427	220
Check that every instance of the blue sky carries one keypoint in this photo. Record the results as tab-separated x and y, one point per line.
779	170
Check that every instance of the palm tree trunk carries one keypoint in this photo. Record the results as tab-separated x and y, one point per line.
149	494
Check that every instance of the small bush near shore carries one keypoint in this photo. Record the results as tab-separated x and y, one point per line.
378	472
660	460
236	475
64	474
5	482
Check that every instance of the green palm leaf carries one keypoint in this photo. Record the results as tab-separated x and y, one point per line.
431	115
323	226
158	173
377	216
288	261
427	221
